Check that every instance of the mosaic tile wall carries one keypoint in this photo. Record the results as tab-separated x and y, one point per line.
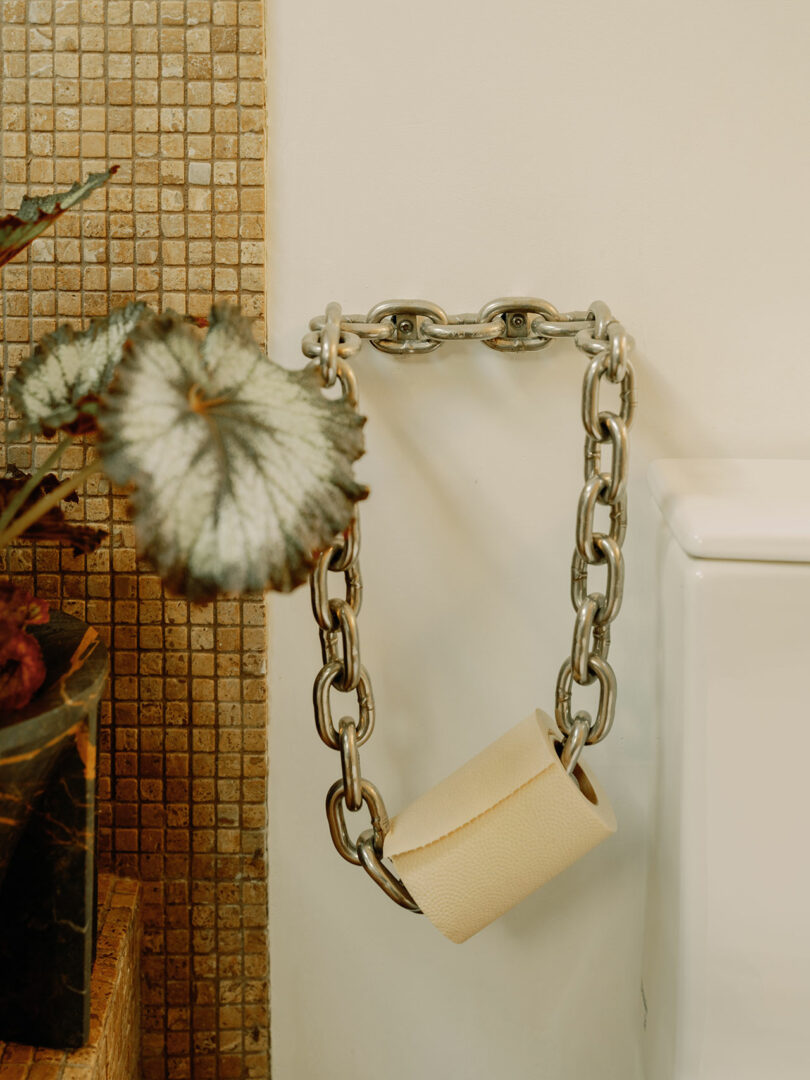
172	91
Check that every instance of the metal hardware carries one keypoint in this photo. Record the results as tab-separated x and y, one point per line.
350	764
581	647
598	368
335	797
565	325
342	669
371	861
345	550
324	682
518	312
330	344
595	491
609	346
407	318
601	669
575	743
350	675
464	328
321	602
617	431
514	324
599	313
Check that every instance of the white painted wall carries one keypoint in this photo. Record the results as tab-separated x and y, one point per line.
655	155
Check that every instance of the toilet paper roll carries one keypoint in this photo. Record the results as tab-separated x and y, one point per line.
497	829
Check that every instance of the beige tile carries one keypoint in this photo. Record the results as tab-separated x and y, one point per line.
174	92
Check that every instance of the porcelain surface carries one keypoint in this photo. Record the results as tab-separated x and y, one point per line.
732	508
727	956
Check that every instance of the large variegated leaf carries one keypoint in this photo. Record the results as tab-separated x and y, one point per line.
18	230
68	370
243	470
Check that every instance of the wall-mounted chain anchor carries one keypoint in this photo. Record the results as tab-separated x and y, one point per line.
409	328
525	808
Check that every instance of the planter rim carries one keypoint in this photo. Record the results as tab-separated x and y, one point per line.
77	662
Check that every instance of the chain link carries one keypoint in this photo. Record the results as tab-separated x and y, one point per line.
405	328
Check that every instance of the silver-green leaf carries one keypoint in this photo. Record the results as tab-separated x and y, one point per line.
68	370
242	469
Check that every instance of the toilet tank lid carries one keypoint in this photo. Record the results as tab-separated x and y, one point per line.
735	508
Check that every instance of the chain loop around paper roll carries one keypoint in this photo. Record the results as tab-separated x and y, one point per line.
513	324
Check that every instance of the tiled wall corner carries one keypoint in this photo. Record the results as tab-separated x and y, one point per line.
173	92
112	1051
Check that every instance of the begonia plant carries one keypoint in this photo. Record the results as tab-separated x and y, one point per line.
239	471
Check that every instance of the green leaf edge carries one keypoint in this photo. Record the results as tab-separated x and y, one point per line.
30	366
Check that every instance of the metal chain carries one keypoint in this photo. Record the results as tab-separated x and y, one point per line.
416	327
608	345
342	670
406	328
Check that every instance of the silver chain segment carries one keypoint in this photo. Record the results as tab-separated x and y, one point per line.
342	671
510	324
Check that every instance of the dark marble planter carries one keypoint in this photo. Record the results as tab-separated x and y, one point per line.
47	843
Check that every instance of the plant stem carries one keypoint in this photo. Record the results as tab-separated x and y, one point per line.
20	496
47	502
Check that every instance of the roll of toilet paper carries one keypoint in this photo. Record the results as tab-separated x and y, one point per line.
497	829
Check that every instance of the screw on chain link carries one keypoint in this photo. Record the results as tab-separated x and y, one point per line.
407	318
517	312
509	324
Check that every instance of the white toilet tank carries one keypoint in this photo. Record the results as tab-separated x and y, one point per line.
726	982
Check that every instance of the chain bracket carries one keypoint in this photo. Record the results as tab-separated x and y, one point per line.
412	328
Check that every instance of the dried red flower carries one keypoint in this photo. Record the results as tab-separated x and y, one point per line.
22	669
20	607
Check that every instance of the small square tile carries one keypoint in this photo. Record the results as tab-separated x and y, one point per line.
173	91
